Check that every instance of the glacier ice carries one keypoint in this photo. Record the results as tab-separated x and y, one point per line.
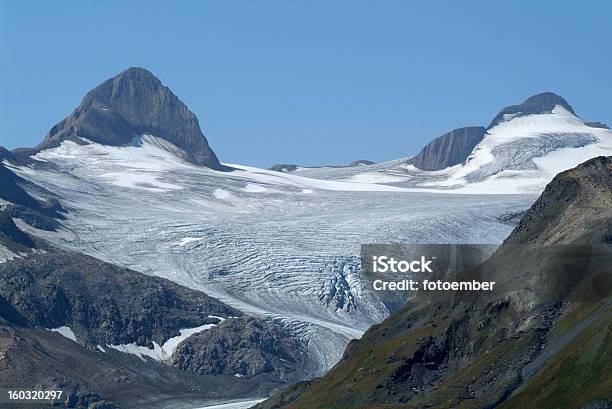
281	246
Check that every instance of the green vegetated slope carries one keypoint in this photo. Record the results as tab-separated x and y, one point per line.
541	340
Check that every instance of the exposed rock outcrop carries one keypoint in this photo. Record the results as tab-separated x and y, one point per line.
243	347
449	149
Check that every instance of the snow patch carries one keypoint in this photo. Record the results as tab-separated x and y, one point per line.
186	240
376	177
222	194
139	181
165	351
244	404
65	331
254	188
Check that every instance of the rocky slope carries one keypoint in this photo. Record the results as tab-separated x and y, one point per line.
101	303
91	305
242	347
542	339
129	105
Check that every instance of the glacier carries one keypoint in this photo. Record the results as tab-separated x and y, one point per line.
280	246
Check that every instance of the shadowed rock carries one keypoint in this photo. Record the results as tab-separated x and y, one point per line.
449	149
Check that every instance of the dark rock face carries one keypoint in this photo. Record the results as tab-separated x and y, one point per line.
244	346
102	303
537	104
449	149
12	192
129	105
9	230
283	167
40	214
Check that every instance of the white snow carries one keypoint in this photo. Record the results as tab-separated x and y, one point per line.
376	177
165	351
137	166
245	404
254	188
186	240
567	158
290	179
139	181
65	332
222	194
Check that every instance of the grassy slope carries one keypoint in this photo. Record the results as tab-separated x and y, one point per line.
580	373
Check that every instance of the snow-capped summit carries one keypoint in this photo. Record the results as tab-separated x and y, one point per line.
543	103
131	104
523	151
455	147
520	151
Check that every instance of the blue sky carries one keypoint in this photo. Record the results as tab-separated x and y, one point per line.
308	82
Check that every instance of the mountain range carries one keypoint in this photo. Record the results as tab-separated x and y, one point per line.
129	250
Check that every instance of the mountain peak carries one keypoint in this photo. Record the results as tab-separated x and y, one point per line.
542	103
129	105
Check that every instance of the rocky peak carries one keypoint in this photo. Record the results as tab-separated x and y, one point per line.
538	104
131	104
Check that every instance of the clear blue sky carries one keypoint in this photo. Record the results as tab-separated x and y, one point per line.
308	82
